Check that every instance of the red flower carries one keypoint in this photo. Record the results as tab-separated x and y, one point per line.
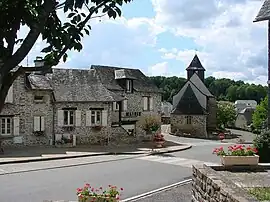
87	185
121	189
79	189
92	189
100	187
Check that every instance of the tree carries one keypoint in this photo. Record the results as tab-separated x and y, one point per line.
260	114
42	19
226	114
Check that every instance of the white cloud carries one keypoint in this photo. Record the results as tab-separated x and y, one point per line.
159	69
231	44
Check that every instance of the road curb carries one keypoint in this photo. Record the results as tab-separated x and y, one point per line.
185	147
140	196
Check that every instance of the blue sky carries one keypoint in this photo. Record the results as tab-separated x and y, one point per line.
160	37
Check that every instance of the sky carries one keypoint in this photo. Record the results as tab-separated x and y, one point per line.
160	37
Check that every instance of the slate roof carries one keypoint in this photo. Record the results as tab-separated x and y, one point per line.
39	82
195	64
76	85
264	13
247	113
200	91
141	83
192	101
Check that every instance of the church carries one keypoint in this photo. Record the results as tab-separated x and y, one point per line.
194	107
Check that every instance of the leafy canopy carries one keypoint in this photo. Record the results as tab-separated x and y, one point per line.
226	114
260	114
42	17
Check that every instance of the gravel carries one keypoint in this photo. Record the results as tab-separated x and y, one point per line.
180	193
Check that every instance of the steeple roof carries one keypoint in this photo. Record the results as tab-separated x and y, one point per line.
195	64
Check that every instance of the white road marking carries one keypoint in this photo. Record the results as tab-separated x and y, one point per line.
173	160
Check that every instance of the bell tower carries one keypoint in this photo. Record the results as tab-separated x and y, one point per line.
195	67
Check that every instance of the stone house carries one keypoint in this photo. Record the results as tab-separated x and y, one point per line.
166	108
244	118
92	106
242	104
194	107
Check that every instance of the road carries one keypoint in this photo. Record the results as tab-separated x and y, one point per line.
136	176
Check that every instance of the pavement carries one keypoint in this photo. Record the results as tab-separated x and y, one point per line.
57	180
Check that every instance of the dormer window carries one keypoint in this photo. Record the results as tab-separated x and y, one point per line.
38	98
129	86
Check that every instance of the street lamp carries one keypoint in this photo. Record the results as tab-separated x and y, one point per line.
263	15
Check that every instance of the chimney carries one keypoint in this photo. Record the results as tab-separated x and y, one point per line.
39	62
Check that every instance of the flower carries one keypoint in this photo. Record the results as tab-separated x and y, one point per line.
88	192
236	150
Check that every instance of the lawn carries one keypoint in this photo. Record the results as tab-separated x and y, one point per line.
261	193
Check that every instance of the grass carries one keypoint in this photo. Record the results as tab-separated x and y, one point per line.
261	193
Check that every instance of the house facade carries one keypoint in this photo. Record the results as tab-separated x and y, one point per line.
91	105
244	118
194	107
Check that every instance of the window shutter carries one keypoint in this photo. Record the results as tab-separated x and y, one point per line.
145	103
42	123
36	123
88	118
124	105
16	126
9	98
104	117
151	103
60	117
78	116
114	106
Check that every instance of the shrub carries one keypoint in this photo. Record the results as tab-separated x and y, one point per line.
149	123
262	143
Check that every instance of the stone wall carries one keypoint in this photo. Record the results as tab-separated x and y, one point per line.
212	117
135	104
25	108
196	128
210	186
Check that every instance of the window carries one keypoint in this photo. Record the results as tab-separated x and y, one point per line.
38	123
96	117
129	86
147	103
188	120
115	106
68	117
38	98
5	126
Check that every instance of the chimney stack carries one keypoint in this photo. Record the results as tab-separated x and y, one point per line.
39	62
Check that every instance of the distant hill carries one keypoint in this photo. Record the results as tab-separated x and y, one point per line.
223	89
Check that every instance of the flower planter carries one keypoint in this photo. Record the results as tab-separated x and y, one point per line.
97	199
159	144
239	160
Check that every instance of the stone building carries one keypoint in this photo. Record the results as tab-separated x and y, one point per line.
95	105
194	107
244	118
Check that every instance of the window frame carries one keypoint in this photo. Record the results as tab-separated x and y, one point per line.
69	113
188	120
94	117
147	103
38	96
6	128
128	85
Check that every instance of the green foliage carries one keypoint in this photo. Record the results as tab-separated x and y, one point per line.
260	114
262	143
226	114
223	89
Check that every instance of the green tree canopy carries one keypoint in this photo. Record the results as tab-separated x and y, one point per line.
42	19
260	114
226	114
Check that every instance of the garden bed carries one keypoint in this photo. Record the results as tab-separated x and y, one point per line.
260	193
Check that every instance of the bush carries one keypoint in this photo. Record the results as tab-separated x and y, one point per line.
149	123
262	143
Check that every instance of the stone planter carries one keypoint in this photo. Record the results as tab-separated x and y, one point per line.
239	160
97	199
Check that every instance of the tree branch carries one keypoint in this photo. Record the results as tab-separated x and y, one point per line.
31	38
91	12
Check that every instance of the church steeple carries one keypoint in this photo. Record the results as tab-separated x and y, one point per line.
195	67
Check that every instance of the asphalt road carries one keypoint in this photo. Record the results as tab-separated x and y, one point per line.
136	175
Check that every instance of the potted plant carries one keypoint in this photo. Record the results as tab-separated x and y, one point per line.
159	140
238	155
149	123
89	194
